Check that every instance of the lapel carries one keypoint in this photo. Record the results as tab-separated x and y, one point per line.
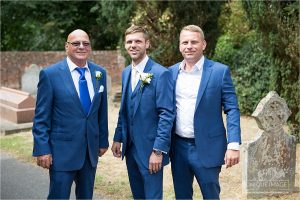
204	80
126	81
137	90
96	84
174	76
69	84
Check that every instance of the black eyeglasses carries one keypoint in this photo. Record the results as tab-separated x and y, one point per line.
78	43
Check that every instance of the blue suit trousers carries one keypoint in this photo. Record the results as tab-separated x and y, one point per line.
185	165
61	182
143	184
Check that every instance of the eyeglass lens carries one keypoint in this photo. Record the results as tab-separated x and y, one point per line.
77	44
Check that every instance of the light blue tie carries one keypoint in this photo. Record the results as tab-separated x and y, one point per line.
83	90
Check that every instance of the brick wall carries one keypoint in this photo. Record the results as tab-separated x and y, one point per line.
13	64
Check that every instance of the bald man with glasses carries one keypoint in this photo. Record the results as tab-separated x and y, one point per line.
70	125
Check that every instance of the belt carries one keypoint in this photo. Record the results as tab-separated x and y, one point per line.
190	140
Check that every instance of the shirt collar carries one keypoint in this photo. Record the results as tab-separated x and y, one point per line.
72	66
198	66
141	66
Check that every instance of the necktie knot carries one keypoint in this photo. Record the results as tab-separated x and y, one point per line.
134	74
81	71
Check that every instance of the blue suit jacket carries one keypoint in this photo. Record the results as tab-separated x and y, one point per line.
216	93
153	113
61	127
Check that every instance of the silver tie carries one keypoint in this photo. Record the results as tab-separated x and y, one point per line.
134	74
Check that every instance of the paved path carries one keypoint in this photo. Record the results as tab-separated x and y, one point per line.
21	180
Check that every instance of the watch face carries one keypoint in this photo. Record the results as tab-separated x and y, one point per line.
158	153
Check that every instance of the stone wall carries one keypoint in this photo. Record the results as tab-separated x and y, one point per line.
14	63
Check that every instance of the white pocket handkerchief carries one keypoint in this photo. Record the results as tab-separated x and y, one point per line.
101	89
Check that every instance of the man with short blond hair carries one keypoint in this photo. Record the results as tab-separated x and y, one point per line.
200	144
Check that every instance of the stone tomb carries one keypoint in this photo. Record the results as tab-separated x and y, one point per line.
270	160
16	106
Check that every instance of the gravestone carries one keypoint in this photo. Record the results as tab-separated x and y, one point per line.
16	106
108	84
270	160
30	79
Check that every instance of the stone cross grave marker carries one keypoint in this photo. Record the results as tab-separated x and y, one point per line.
270	160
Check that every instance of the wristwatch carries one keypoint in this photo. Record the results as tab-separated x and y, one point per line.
157	152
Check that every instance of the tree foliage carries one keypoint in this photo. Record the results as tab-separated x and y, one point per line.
261	44
44	25
277	22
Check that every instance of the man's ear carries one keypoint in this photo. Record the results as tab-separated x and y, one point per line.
204	45
66	47
148	45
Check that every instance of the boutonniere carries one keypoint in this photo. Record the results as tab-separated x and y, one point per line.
98	75
145	79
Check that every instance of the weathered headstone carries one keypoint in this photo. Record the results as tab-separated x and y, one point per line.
108	83
270	160
30	79
16	106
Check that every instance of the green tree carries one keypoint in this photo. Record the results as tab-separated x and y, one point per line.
277	23
44	25
260	42
241	49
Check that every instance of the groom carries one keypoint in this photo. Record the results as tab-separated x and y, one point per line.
70	124
145	118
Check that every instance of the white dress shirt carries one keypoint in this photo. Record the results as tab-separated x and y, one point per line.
187	86
140	69
75	76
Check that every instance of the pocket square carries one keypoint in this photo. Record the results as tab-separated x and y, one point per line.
101	89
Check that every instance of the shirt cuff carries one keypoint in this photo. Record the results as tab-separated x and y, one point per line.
233	146
160	150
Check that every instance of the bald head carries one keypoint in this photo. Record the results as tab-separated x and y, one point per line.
77	32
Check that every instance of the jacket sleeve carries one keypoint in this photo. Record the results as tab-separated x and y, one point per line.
164	103
118	130
42	118
231	109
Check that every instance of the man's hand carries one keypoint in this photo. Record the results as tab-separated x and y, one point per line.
102	151
116	149
232	157
155	163
44	161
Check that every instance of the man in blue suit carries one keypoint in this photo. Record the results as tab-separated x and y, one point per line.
70	125
145	118
203	88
